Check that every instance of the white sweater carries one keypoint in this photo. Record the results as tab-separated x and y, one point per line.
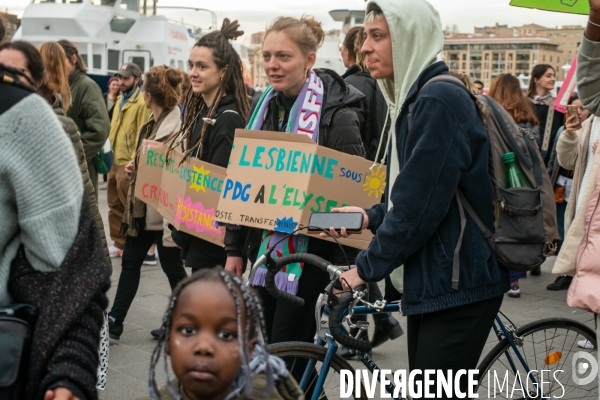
40	189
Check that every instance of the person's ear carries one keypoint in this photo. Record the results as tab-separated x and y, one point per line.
222	72
311	59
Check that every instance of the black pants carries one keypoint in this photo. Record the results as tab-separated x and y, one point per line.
134	253
285	322
201	258
450	339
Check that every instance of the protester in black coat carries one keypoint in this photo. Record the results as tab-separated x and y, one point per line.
372	110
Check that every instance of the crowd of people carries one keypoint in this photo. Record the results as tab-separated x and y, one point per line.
395	105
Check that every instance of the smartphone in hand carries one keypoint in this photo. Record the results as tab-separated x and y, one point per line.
349	220
572	111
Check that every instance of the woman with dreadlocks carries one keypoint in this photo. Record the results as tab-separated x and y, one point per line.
215	107
143	225
219	353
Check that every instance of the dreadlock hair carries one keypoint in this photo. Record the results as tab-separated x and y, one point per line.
247	304
71	49
35	65
224	55
56	77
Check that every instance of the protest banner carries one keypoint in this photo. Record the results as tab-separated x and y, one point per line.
186	195
276	180
565	6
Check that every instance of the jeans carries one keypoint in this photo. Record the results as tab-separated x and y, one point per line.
134	253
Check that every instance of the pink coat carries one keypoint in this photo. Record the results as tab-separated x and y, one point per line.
584	291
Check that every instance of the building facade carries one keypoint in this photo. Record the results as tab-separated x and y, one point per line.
568	39
485	56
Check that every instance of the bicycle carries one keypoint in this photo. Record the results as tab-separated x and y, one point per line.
523	357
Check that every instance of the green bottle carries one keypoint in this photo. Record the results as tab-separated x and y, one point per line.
514	178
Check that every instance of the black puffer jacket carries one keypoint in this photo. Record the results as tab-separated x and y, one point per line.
338	130
216	150
371	111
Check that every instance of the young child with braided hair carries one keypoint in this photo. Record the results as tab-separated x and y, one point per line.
212	334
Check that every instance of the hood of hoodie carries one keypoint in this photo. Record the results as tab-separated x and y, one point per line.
417	39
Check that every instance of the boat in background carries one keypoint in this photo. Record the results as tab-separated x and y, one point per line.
110	33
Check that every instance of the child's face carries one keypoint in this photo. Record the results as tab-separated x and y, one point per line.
203	340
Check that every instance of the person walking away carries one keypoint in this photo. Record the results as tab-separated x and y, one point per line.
130	114
289	54
215	107
372	117
579	151
143	225
445	150
87	109
51	254
506	90
563	183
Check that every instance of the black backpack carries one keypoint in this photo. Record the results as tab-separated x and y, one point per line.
525	218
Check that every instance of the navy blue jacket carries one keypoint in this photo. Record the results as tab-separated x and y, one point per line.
446	148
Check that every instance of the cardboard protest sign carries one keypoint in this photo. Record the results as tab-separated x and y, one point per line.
276	180
186	195
565	6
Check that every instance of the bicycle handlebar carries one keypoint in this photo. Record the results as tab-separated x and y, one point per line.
337	305
283	261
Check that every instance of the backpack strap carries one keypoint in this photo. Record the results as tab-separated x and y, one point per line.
439	78
548	130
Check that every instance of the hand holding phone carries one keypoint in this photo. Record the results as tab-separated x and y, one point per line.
572	111
352	221
343	232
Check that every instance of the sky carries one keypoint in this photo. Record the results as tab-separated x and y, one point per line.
254	15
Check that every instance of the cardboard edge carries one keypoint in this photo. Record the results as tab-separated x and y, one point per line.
270	135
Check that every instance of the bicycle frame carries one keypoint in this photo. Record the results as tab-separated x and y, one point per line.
332	346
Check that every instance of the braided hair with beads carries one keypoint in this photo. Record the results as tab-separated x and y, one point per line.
224	55
247	306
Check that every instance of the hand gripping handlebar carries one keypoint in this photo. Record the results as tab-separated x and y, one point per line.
337	304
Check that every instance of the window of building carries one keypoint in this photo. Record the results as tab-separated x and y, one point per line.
131	5
563	35
543	58
113	60
180	64
121	24
109	3
464	57
571	35
464	65
550	58
556	35
57	1
172	63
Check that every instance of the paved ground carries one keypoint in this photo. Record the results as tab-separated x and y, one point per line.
130	357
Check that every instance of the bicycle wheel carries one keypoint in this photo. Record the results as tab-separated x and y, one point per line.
548	347
297	355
